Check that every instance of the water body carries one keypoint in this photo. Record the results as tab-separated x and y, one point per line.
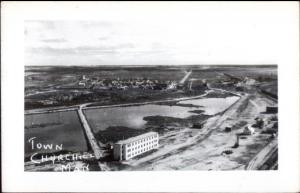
55	128
65	128
212	106
133	116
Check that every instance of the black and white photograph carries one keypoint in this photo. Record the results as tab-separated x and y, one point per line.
80	115
150	96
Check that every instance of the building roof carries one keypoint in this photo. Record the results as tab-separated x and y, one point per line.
132	139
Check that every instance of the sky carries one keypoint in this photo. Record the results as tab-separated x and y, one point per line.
100	42
153	36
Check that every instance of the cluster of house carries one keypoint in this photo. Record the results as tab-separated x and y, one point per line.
62	96
124	84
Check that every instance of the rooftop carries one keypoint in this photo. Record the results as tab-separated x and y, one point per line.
132	139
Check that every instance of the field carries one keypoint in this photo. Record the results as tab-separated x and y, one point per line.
58	86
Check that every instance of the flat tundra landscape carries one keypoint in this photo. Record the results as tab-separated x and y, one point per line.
207	117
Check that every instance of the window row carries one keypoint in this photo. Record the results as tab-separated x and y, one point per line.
134	153
142	146
141	141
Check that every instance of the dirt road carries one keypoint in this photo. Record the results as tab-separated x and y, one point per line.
85	105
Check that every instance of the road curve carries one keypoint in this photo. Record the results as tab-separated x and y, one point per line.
84	106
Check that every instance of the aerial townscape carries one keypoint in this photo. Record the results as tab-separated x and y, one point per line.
149	117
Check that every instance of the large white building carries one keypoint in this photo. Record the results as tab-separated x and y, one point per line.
129	148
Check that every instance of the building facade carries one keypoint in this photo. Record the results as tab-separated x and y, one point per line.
132	147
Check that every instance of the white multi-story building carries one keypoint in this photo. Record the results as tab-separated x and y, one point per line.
129	148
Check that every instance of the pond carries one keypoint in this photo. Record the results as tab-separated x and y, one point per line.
54	128
133	116
212	106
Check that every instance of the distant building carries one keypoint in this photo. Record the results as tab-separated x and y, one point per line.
129	148
272	109
81	84
249	130
172	85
